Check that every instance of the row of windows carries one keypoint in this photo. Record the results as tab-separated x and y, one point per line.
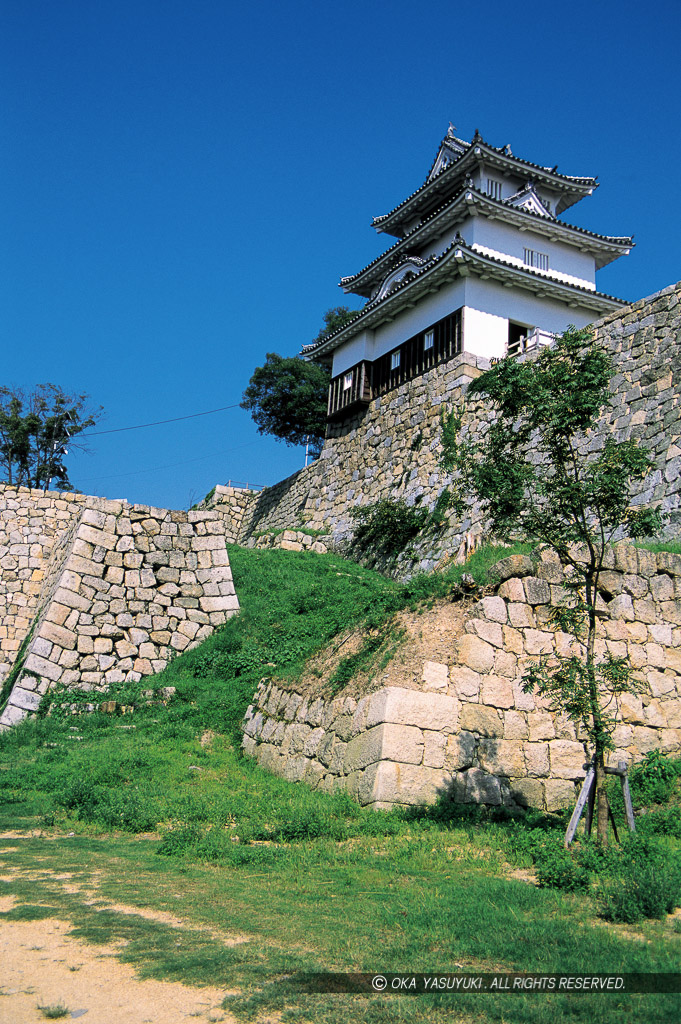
367	379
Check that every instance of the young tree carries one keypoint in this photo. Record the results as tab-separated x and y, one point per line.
531	475
36	431
287	397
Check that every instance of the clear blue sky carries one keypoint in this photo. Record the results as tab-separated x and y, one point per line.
183	184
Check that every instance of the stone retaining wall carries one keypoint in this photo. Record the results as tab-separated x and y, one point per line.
113	595
392	449
469	730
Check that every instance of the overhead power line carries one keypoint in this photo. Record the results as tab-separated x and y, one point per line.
158	423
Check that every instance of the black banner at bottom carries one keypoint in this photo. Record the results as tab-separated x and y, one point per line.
420	983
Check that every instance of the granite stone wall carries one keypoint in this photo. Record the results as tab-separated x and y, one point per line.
465	728
392	449
103	592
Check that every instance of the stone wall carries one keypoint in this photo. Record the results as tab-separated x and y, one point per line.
108	591
30	523
392	449
467	729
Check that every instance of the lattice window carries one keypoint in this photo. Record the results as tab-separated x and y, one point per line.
534	258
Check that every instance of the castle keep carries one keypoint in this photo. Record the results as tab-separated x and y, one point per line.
482	265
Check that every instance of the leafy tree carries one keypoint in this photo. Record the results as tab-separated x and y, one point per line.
530	473
333	319
287	397
36	431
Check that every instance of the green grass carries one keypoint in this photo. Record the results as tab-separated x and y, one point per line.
312	881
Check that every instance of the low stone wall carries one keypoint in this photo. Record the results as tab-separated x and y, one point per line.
117	593
291	540
469	731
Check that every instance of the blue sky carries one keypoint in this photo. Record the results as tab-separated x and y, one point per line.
183	184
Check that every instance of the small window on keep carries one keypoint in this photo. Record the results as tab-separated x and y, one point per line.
428	340
395	360
347	381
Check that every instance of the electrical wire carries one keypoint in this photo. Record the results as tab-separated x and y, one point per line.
158	423
171	465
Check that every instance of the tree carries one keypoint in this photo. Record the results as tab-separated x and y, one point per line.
287	397
36	431
333	319
531	472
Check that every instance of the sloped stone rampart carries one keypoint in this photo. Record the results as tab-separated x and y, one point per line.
391	451
469	730
111	596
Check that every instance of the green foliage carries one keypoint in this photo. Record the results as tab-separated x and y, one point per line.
385	527
558	868
54	1011
333	319
287	397
445	501
644	882
570	688
36	432
654	779
531	472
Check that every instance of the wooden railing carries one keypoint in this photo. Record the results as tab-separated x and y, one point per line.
356	386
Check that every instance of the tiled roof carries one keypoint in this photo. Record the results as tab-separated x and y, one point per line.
454	169
500	204
459	252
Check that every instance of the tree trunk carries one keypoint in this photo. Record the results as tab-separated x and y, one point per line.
602	798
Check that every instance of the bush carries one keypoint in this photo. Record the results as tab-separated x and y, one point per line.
644	880
558	868
654	779
386	527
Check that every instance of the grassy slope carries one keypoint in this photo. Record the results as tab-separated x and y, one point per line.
334	887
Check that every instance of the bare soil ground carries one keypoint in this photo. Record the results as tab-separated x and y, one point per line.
43	966
428	635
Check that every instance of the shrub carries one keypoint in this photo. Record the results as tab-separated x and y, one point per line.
558	868
643	880
386	527
653	780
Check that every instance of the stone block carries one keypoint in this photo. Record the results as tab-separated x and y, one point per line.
482	788
484	721
27	700
536	759
512	590
515	726
460	751
567	759
669	562
621	607
435	676
513	565
492	608
521	616
541	725
396	705
537	591
388	783
497	691
662	588
559	793
528	792
475	653
434	744
218	604
501	757
43	668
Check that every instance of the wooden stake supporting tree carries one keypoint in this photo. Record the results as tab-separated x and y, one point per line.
531	476
585	802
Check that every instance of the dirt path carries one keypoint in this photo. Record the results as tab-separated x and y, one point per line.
42	965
